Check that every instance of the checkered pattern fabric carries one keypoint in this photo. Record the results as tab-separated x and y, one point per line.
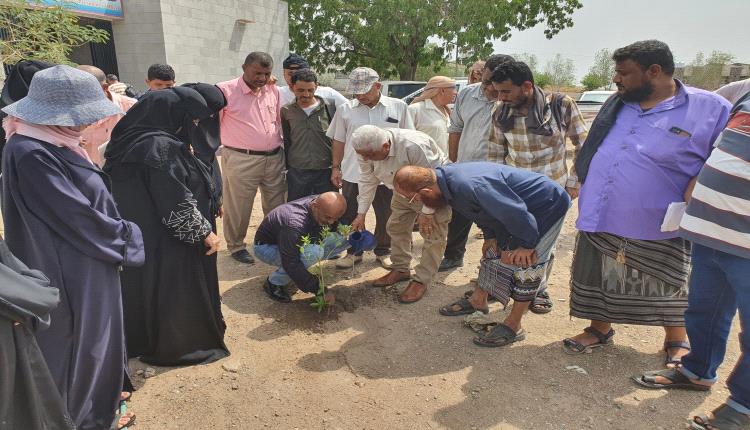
361	80
542	154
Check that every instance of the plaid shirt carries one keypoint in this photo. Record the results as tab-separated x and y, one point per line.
541	154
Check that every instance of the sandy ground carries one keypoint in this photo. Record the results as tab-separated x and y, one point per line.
376	364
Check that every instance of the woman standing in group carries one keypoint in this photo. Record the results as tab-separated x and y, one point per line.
430	111
160	163
60	218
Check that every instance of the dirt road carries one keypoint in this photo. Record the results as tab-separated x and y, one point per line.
377	364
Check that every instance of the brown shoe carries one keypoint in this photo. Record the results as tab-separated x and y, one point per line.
413	292
393	277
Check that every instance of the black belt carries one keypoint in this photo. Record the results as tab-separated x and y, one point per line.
251	152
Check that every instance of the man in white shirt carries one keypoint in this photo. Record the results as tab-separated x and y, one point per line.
367	107
733	91
291	64
381	153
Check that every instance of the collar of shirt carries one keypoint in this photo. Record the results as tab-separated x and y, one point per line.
321	105
680	97
440	178
356	103
245	88
479	94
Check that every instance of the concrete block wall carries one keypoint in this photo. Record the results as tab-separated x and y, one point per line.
203	40
139	40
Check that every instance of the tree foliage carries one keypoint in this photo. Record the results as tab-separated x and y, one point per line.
601	72
541	78
561	71
592	81
705	72
392	36
47	33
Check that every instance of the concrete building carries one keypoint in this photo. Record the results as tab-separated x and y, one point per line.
204	41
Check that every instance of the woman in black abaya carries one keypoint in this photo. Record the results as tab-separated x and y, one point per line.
162	179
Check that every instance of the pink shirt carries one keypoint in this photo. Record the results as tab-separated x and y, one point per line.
251	120
99	132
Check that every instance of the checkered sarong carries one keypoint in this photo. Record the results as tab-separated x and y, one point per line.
504	283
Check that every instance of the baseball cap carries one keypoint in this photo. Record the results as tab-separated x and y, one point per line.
361	80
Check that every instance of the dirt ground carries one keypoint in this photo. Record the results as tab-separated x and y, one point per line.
377	364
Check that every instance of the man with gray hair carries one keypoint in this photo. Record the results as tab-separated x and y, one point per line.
367	107
381	153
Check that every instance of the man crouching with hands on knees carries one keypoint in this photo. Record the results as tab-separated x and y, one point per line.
521	214
279	237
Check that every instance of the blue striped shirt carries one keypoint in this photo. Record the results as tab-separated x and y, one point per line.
718	215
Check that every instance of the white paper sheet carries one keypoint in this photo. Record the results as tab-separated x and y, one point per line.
672	218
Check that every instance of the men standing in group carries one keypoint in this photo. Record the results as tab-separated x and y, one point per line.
252	156
159	77
381	153
98	133
367	107
642	155
469	140
308	150
293	63
531	128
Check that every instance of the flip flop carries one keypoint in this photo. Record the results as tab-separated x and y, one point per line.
678	381
469	293
724	418
465	306
501	335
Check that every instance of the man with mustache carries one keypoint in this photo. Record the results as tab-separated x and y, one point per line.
643	153
521	213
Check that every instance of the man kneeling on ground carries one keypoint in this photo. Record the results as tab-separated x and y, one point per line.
279	236
521	214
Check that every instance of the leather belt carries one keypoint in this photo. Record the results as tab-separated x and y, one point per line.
251	152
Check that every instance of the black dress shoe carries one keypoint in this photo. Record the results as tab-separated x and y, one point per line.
243	256
450	264
276	292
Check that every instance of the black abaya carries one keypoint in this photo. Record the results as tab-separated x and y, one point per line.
171	305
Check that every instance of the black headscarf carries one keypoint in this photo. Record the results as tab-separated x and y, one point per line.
204	137
149	130
17	87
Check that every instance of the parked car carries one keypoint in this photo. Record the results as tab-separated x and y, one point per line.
460	84
399	89
591	102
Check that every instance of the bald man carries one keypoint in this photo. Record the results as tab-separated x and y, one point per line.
521	214
97	134
279	236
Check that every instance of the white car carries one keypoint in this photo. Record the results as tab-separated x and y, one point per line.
399	89
460	84
591	102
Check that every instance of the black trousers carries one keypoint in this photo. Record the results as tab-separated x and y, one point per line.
303	182
458	235
382	207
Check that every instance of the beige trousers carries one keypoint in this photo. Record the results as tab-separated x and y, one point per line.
242	175
400	226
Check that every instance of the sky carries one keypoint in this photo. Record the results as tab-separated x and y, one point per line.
687	26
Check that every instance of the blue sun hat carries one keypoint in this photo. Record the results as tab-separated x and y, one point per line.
362	241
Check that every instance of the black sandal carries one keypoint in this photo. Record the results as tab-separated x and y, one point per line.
574	347
670	359
677	378
725	417
465	306
501	335
541	304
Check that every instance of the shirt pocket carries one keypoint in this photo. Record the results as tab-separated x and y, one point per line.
665	148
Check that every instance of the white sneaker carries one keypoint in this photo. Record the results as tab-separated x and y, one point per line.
385	261
348	262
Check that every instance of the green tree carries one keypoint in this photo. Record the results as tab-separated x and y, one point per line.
47	33
601	71
391	36
561	71
592	81
706	72
542	80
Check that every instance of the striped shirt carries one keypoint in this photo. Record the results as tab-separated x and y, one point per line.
718	215
545	155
